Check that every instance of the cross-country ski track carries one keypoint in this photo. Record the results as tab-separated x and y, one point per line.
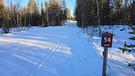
51	51
59	51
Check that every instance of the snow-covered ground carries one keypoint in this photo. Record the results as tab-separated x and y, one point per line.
61	51
117	61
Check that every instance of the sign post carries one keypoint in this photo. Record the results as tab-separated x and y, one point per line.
106	43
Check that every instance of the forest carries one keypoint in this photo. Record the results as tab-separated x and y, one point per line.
51	13
55	12
105	12
56	51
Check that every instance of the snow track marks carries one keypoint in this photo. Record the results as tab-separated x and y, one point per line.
39	64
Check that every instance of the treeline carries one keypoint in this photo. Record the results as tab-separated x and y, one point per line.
51	13
105	12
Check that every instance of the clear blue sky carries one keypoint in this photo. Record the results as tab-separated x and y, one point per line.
70	3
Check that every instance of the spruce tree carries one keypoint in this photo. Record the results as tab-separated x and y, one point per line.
64	8
68	15
129	47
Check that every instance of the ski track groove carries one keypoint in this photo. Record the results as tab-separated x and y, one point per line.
39	64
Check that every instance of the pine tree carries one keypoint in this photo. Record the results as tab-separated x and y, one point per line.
132	13
3	18
31	6
47	13
54	13
24	14
1	12
52	10
64	8
42	15
68	15
129	47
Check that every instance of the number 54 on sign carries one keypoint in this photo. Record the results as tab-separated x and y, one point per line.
107	39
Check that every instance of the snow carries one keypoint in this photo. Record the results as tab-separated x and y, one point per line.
117	61
62	51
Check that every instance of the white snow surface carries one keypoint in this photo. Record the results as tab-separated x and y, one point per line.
61	51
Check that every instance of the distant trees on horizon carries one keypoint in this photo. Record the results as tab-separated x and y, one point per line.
46	14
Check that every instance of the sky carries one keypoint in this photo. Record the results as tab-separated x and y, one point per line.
70	3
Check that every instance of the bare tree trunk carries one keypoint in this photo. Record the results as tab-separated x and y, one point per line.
98	17
98	12
25	23
5	27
